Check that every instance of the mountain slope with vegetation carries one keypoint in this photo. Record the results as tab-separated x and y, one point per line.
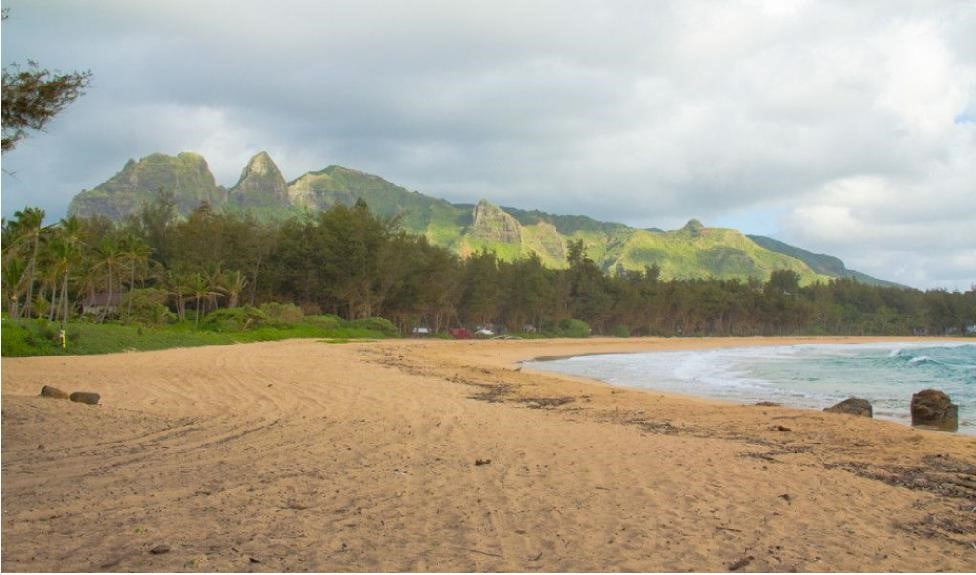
186	176
695	251
339	272
821	263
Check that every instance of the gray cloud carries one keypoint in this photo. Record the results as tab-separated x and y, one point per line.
831	125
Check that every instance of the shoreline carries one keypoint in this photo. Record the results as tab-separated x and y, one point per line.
297	455
820	340
902	419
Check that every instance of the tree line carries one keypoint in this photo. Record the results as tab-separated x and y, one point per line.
157	267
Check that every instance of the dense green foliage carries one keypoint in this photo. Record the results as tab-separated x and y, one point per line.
694	251
40	337
158	280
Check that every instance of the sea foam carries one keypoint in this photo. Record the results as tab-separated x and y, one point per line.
807	375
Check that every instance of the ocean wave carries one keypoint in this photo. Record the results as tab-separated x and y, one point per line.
805	375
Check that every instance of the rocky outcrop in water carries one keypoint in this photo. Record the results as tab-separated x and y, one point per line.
932	409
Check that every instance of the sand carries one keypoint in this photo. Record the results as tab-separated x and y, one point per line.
303	455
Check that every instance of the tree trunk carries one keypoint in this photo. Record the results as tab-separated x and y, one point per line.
108	300
254	286
28	305
64	298
54	300
132	286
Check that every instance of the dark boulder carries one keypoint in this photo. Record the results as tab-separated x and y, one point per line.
853	406
932	409
53	392
85	397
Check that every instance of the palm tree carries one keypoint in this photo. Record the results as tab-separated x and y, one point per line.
233	284
13	273
201	289
136	253
109	256
177	283
66	249
28	228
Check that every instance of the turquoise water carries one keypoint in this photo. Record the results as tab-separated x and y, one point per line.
813	376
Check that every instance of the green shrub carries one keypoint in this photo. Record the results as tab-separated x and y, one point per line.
147	306
282	314
27	337
17	340
377	324
326	321
230	319
621	331
572	328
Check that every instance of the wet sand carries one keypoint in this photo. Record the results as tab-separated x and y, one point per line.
301	455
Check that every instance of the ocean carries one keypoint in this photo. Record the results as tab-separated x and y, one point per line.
810	375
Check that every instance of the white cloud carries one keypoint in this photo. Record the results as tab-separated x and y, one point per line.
843	116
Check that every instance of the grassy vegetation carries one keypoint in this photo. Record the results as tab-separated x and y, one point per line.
22	338
710	252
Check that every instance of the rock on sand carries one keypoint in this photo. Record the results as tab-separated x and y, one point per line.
853	406
85	397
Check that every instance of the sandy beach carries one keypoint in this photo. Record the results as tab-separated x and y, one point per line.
447	456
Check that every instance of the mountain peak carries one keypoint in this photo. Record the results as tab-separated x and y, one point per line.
492	224
689	252
693	227
261	184
185	175
261	163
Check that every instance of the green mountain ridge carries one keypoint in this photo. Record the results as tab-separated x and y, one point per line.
187	174
821	263
694	251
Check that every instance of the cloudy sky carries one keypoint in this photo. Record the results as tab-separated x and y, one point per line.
841	127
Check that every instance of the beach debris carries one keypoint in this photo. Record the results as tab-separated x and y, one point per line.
786	497
53	392
482	461
853	406
546	402
111	563
779	428
768	404
254	560
932	409
88	397
493	393
488	553
160	549
735	566
295	504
